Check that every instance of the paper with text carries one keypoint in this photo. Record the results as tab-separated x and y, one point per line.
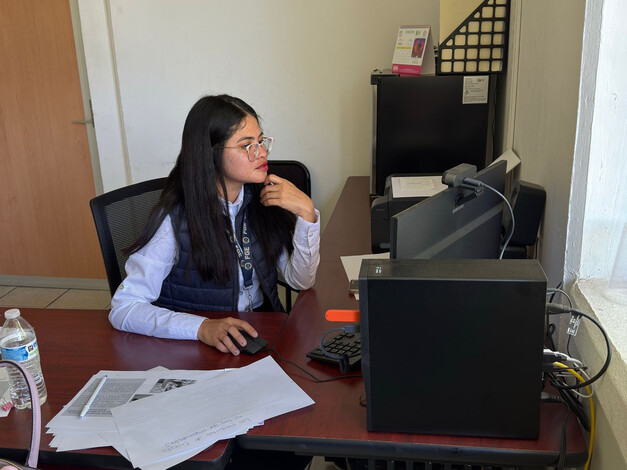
352	265
95	429
416	186
152	429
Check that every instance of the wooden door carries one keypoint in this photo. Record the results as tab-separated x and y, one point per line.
46	179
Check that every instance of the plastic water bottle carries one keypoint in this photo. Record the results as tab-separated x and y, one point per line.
19	343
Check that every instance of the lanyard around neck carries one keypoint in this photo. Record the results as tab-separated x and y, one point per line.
244	253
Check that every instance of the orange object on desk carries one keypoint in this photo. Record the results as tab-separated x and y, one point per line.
342	315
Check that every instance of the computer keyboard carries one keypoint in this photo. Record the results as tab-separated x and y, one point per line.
344	343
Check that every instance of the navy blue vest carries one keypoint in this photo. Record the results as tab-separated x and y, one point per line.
184	290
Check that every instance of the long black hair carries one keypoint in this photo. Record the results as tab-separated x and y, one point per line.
192	188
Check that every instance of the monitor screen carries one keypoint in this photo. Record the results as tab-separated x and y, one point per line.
454	223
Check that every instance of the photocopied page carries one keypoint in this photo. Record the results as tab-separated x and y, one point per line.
139	412
511	159
352	265
94	430
416	186
215	409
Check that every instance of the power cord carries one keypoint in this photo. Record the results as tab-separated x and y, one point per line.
273	351
316	379
550	328
558	309
459	176
481	184
554	365
552	292
561	459
592	412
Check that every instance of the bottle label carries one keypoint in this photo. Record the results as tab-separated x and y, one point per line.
19	354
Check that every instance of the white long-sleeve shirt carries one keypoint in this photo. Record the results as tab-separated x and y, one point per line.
146	269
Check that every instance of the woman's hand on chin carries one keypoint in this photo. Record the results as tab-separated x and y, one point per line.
280	192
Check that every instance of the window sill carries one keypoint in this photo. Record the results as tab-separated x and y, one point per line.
595	298
591	297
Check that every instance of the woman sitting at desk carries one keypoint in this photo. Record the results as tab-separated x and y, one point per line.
219	232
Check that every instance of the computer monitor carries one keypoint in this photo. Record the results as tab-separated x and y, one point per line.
454	223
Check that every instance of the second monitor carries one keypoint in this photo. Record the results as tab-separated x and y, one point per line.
455	223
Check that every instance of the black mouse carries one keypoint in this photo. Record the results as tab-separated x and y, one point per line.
253	345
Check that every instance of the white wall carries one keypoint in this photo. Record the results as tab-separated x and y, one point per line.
598	214
546	113
569	130
606	196
304	66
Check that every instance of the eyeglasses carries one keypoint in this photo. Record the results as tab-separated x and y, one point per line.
252	150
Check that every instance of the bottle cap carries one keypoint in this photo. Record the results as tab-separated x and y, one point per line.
11	314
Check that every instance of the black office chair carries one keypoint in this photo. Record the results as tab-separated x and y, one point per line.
293	171
298	174
120	216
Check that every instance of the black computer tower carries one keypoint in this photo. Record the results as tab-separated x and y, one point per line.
428	124
453	346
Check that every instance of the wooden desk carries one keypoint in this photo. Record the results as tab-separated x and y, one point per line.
336	424
75	344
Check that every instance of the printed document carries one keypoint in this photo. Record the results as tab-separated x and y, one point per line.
215	409
139	412
416	186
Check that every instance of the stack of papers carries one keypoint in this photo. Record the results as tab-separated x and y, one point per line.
156	430
352	264
416	186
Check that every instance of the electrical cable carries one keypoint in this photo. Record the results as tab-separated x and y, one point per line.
316	379
592	412
563	444
557	309
272	351
557	377
563	439
554	356
575	405
550	327
570	304
511	212
480	184
586	377
570	337
557	290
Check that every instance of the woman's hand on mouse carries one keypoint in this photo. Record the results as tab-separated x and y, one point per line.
215	332
280	192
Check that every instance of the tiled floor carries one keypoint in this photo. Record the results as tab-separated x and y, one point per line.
44	297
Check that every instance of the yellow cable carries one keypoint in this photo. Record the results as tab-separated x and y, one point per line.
581	379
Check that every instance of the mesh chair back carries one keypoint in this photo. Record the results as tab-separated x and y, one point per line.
120	216
293	171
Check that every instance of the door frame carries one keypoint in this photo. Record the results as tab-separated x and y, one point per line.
89	122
